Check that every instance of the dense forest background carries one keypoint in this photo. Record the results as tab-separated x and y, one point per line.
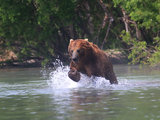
42	29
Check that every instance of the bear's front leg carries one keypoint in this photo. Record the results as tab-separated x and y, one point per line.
74	75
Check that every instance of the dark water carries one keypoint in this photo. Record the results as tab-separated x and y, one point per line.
36	94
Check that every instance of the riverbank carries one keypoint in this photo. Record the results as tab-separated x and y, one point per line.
11	61
117	56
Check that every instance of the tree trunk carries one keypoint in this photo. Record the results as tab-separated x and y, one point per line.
108	29
138	32
71	31
107	15
125	19
101	27
90	18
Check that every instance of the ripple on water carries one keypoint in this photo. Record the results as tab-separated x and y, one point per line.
58	79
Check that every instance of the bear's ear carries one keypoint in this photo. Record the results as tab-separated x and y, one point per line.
71	40
86	39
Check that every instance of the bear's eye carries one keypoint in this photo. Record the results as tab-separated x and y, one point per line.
78	50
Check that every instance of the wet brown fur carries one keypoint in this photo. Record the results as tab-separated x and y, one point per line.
91	61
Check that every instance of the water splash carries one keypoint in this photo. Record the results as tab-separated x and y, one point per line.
58	79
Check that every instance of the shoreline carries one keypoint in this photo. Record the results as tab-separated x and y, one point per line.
115	56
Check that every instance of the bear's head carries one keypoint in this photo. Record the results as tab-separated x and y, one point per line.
77	49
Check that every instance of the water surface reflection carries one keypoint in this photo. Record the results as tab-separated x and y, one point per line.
49	94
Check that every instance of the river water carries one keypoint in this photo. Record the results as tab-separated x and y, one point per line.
48	94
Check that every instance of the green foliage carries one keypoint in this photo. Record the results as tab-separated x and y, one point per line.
40	28
155	57
138	49
30	27
144	11
139	52
45	61
146	14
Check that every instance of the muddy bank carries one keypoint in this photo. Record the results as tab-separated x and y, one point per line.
11	61
20	64
117	57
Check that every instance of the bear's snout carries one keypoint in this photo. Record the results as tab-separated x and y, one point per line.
75	56
75	59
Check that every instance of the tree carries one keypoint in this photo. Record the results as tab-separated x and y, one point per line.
42	29
142	25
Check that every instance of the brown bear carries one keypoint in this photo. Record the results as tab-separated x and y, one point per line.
88	59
